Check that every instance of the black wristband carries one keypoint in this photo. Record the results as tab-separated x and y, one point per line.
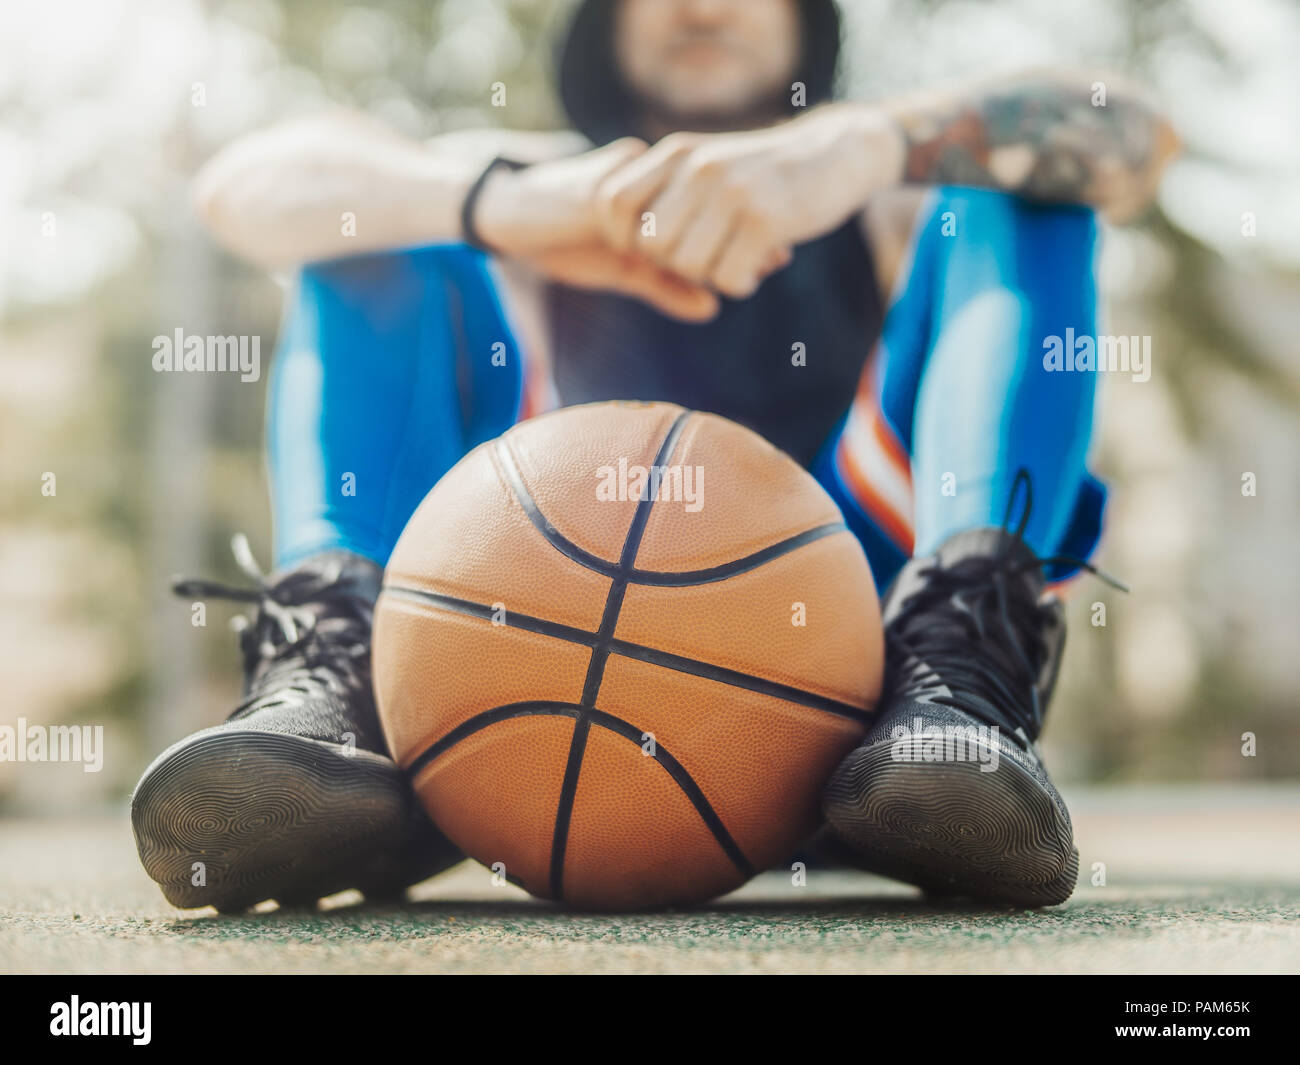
469	231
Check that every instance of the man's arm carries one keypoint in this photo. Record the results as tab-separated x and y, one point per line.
1050	136
727	208
342	184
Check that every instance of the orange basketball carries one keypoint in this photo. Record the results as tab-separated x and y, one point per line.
620	648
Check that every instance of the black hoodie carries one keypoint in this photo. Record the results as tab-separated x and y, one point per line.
599	103
741	364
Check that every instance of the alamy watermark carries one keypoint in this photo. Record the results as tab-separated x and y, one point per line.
945	743
74	1017
1085	353
208	354
672	484
53	743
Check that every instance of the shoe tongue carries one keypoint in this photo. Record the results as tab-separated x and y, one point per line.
986	542
346	573
993	541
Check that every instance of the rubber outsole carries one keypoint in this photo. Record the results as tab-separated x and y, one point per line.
256	815
951	829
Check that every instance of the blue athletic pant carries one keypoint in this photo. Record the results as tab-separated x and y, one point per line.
390	367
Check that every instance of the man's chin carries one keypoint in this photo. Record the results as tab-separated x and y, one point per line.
715	116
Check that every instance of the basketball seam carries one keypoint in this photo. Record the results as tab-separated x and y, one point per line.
641	653
599	656
655	578
745	564
602	643
679	774
475	724
687	783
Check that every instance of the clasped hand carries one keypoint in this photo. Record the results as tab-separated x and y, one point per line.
695	216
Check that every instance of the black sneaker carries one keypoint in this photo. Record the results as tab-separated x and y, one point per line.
295	797
947	790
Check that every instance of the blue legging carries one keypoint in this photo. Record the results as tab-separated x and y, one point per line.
392	366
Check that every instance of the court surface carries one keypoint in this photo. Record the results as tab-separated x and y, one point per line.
1203	880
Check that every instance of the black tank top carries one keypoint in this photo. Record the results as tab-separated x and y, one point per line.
742	364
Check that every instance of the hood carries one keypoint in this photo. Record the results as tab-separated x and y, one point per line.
600	105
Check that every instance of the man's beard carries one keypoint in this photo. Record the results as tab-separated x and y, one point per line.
658	119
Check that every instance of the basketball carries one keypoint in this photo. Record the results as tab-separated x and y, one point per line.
620	648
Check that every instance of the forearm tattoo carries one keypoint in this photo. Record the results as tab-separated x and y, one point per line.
1043	141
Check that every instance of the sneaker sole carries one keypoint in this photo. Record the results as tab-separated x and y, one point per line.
268	816
953	830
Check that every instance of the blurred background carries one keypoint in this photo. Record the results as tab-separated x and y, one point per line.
107	107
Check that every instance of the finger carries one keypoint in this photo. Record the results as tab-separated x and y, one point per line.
748	258
622	151
623	195
598	268
674	210
777	259
669	293
704	240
